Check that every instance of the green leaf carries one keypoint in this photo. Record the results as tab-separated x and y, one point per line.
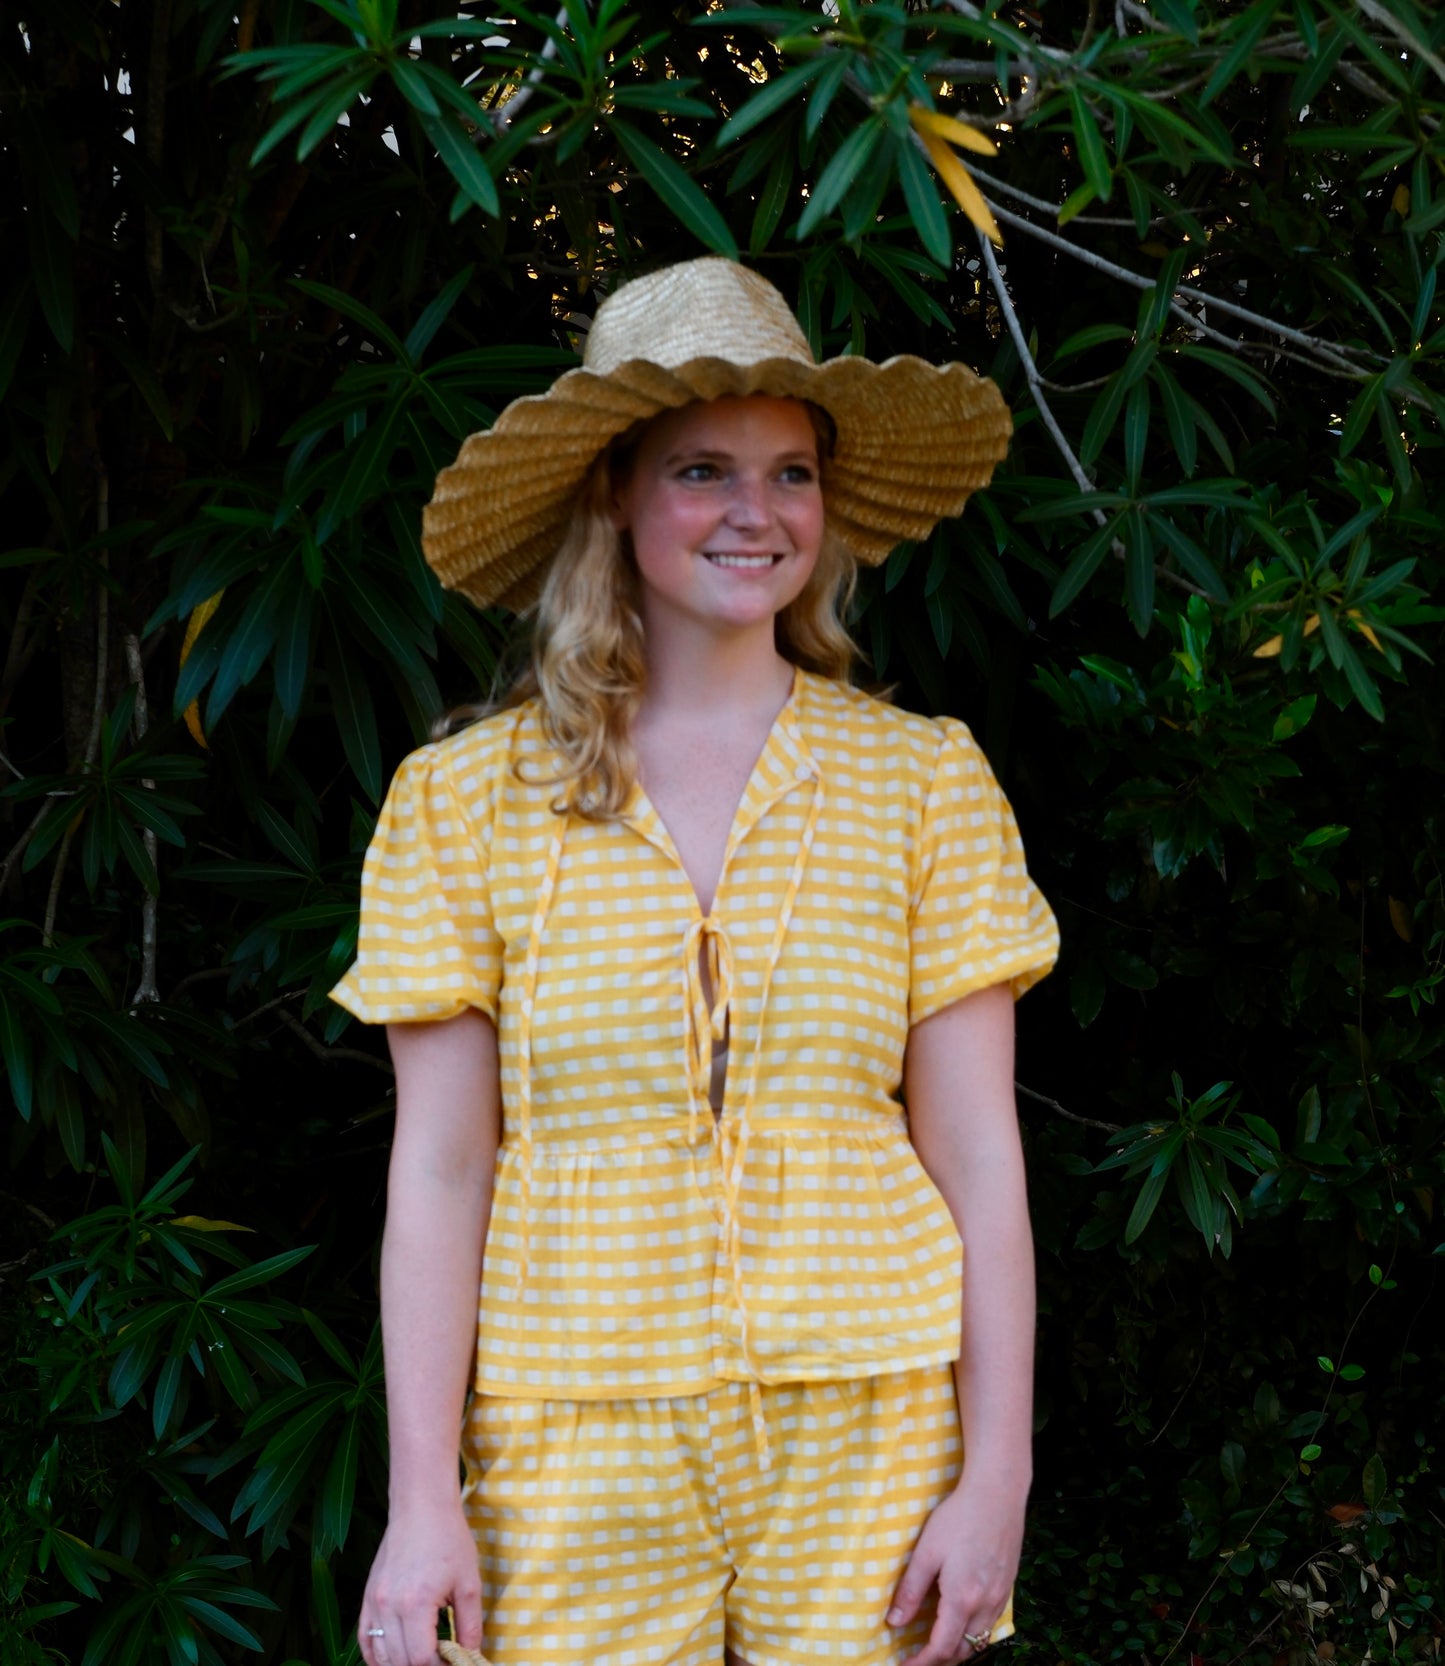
338	1490
349	307
1103	414
679	193
1082	568
842	169
1092	335
1232	368
355	715
1373	1481
830	79
1144	1206
665	98
1139	571
925	206
329	109
1093	157
463	161
14	326
772	200
52	269
778	91
260	1272
1247	32
414	88
1136	433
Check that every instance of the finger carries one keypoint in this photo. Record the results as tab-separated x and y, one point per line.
419	1638
373	1649
467	1613
945	1644
917	1581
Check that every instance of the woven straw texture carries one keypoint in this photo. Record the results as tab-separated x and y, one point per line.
914	440
455	1655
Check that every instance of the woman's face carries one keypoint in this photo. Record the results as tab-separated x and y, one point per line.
724	506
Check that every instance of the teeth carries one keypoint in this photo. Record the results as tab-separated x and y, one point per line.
741	560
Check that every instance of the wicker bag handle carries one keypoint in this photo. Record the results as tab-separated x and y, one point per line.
455	1655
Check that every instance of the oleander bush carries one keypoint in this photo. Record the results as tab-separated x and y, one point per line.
270	262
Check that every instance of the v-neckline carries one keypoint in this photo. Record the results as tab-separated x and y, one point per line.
781	762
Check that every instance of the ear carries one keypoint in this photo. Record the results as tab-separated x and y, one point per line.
619	507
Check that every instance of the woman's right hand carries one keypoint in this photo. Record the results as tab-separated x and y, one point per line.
423	1565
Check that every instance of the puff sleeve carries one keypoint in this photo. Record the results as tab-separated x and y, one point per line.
977	918
428	947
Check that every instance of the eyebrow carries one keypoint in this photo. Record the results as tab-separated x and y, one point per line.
703	455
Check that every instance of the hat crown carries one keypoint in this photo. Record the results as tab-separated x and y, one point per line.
702	309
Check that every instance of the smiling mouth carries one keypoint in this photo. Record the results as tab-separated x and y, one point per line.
751	563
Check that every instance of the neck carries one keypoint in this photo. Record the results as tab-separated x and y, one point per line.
709	674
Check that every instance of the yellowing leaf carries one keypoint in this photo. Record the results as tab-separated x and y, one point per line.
199	1223
926	121
1400	919
194	626
1268	650
1400	202
1367	631
961	186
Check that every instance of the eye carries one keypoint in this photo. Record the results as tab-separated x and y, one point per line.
698	471
799	474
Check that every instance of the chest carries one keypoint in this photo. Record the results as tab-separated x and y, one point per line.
695	784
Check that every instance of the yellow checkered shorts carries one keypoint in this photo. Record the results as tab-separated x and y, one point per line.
653	1532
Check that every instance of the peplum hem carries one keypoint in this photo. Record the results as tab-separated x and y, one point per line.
606	1271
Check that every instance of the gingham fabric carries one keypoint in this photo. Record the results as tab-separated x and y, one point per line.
629	1532
638	1245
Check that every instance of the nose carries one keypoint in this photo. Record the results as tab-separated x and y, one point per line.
748	506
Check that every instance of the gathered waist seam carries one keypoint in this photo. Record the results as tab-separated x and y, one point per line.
641	1134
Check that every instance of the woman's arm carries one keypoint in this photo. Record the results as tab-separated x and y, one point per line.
439	1198
958	1086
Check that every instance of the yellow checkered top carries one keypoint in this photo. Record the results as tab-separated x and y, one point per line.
638	1244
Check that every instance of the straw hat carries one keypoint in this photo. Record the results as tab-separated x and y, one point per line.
913	439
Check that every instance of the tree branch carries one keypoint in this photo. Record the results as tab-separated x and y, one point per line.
1073	1116
333	1055
146	989
1325	350
505	114
1036	388
97	710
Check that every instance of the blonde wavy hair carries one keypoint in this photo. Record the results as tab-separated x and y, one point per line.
587	665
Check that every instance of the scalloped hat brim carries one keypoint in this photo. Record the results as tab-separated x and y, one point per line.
913	442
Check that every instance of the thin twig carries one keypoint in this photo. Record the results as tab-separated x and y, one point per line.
1073	1116
1035	382
1280	1490
269	1006
1137	280
1163	1428
146	989
12	856
1387	20
1031	371
97	710
30	1209
505	114
206	975
333	1055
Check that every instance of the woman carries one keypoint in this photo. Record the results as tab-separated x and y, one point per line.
663	947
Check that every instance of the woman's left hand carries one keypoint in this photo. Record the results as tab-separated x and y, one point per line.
969	1551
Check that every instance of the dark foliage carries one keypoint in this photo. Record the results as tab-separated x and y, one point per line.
270	263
